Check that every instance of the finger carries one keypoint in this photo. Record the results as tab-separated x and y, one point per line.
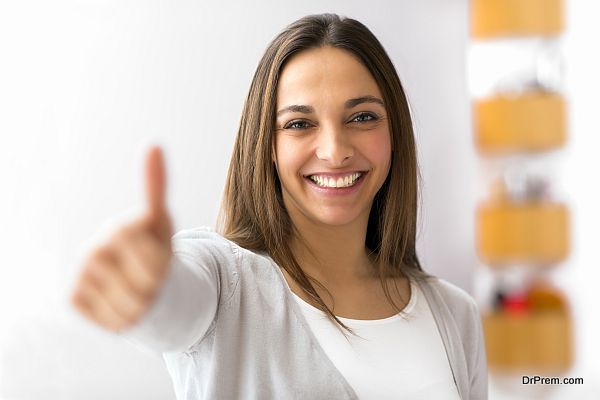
79	297
156	188
138	260
98	309
155	180
80	301
118	291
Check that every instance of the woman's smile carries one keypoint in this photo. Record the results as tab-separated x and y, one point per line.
334	185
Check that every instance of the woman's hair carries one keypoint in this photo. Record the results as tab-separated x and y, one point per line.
252	212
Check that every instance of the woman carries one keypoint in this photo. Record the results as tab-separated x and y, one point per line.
310	287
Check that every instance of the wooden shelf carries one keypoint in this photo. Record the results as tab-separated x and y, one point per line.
531	122
536	342
502	18
532	232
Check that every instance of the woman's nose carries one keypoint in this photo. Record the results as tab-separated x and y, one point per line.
334	145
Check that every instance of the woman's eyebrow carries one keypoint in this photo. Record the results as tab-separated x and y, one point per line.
350	103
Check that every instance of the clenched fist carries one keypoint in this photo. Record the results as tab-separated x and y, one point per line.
121	277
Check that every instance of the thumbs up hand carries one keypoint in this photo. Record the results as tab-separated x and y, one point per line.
121	277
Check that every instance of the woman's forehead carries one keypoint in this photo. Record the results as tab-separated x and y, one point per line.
324	74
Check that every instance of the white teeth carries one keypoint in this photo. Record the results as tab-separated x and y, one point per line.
346	181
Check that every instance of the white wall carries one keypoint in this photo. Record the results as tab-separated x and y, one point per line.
85	86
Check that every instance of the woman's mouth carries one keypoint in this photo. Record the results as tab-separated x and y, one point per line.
336	185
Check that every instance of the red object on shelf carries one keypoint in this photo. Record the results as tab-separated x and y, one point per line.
515	303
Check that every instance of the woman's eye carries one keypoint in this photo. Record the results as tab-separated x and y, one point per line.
373	117
291	124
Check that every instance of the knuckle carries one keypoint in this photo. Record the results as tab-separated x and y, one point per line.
95	280
102	254
93	289
136	309
108	314
147	288
110	323
124	296
129	302
142	265
121	236
77	299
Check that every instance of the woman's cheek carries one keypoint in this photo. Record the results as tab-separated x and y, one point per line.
289	158
378	147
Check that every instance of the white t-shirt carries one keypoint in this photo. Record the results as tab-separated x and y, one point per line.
377	366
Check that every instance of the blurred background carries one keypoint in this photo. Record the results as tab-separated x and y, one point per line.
503	95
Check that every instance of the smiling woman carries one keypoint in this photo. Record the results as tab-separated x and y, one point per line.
315	238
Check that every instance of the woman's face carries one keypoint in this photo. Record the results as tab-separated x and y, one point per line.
331	137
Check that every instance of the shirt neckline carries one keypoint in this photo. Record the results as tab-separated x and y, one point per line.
408	308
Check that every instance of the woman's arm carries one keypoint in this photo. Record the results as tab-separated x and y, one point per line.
183	310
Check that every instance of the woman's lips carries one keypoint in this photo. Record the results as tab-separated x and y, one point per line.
334	192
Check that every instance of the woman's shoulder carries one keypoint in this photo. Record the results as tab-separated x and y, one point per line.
202	241
206	240
199	233
458	301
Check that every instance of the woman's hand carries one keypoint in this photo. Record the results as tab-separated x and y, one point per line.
121	277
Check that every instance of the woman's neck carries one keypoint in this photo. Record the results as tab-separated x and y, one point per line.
340	255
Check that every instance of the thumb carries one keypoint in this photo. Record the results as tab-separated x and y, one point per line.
156	192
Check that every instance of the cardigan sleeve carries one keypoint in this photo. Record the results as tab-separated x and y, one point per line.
186	305
479	374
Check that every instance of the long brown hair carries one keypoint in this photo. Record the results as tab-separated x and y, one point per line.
252	212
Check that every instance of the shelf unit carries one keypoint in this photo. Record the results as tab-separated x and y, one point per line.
522	226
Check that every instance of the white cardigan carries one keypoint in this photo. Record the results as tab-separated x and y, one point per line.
228	327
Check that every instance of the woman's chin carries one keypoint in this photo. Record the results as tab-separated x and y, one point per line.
335	218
